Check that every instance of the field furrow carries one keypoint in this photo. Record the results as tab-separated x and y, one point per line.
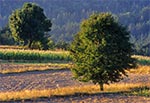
37	80
52	79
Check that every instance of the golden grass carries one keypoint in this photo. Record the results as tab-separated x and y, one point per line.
35	51
18	68
10	47
141	69
141	57
33	94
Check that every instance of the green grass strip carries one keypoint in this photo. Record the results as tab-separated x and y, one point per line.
35	55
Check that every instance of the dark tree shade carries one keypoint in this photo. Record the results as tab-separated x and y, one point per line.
29	23
101	50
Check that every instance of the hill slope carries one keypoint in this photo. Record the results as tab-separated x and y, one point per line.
67	14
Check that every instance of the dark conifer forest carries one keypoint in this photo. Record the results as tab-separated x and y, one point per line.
66	16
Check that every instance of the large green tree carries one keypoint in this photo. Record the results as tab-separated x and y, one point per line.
29	24
101	50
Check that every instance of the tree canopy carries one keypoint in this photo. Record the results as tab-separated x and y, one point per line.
101	50
29	24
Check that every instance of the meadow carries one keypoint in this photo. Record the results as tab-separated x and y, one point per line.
51	81
33	55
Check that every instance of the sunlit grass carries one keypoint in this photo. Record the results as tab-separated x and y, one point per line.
141	57
142	60
143	66
140	69
90	89
11	47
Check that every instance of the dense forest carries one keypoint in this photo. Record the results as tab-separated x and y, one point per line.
66	16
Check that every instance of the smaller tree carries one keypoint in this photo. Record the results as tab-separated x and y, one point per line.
101	50
29	24
5	36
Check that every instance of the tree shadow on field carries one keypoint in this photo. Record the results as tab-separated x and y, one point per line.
78	96
140	89
53	70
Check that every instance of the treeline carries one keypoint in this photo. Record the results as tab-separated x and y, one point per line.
66	16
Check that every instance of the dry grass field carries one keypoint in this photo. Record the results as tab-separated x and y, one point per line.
56	85
53	83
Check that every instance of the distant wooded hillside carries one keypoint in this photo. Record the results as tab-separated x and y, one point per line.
67	14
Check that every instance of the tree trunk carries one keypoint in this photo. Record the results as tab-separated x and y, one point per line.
30	43
101	86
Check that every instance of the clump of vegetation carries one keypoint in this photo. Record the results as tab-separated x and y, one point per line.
141	91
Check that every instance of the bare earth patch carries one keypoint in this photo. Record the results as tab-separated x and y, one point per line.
37	80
